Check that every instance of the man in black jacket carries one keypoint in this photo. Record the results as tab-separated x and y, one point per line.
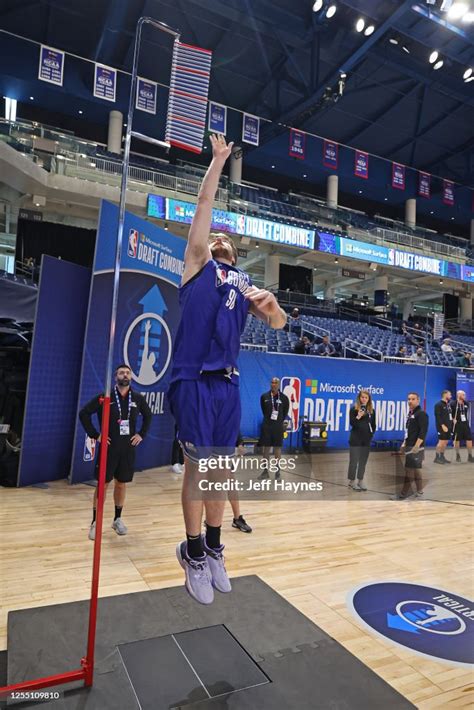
125	406
444	425
414	448
275	406
462	427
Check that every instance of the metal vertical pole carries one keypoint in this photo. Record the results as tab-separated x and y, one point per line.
88	660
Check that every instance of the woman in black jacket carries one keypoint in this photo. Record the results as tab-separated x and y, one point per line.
362	420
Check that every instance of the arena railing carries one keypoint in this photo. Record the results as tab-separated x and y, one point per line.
349	345
317	330
381	322
405	361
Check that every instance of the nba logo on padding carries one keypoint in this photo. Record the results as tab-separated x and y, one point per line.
89	449
133	243
291	386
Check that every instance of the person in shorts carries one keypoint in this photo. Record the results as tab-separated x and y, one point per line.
414	448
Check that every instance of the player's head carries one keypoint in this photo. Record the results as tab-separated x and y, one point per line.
275	384
446	395
223	248
461	395
413	400
123	375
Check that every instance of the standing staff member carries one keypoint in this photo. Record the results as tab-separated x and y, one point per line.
125	406
275	406
413	447
462	428
444	425
362	420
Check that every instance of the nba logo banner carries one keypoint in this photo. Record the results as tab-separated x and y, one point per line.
133	243
330	154
361	167
251	129
217	122
424	185
89	449
398	176
297	144
291	387
448	192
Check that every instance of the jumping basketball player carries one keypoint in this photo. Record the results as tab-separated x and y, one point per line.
215	298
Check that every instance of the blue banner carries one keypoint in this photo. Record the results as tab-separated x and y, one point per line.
324	389
217	122
297	144
54	372
147	320
361	164
330	154
250	129
364	251
51	65
146	95
398	176
105	82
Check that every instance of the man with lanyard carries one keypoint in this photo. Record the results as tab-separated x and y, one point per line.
444	425
125	406
275	406
462	427
413	448
215	298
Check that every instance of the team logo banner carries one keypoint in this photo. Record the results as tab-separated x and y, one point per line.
105	82
217	122
430	622
398	176
330	154
448	192
51	65
361	164
424	185
297	144
251	129
147	319
146	95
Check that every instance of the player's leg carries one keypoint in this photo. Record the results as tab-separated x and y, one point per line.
112	463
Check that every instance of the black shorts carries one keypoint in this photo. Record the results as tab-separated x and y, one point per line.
463	431
120	465
444	435
414	460
271	434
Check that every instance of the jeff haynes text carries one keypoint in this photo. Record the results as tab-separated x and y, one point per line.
267	484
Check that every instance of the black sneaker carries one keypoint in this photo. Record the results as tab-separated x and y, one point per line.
438	459
241	525
470	458
444	459
458	458
263	475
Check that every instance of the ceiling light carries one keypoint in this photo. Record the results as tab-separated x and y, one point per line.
370	30
305	175
468	17
467	73
80	111
32	98
471	78
273	166
433	56
438	65
457	10
394	40
406	49
331	11
360	24
317	5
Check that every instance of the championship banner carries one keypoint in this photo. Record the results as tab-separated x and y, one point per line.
51	65
323	389
361	165
251	129
147	319
330	154
146	95
424	185
398	176
297	144
217	122
448	192
105	82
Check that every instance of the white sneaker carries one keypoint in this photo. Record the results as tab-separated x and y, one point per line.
177	468
361	486
119	527
92	531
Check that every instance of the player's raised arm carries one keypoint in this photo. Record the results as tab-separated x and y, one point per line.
264	306
197	251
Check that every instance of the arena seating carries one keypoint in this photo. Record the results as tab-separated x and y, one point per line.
358	340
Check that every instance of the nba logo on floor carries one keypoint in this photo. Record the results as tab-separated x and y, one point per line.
291	386
89	449
133	243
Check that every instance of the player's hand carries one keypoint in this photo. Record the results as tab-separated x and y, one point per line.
264	300
220	149
136	439
415	450
444	428
100	439
360	414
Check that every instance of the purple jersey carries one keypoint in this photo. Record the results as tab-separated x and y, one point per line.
213	315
